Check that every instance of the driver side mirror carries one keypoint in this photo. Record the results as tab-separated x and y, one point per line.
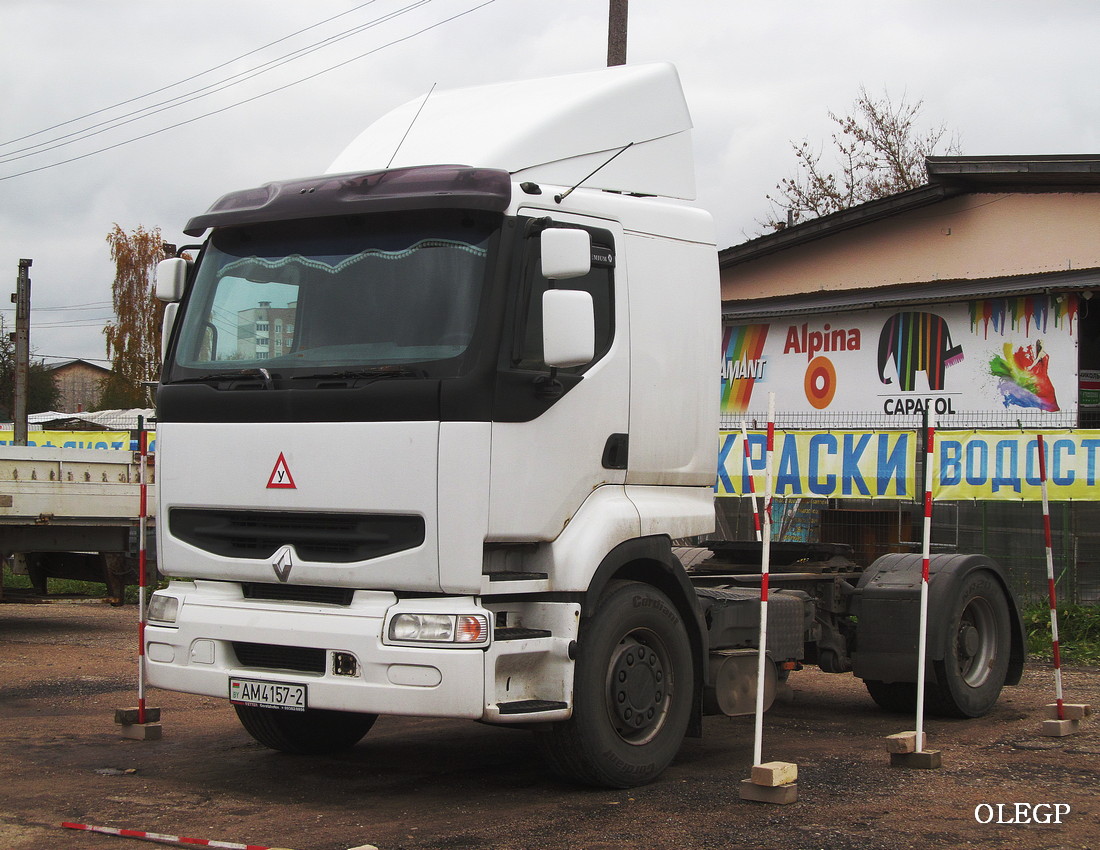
171	279
566	253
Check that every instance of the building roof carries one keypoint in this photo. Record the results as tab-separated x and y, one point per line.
53	367
948	176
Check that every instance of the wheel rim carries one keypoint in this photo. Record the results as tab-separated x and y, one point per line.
976	641
639	687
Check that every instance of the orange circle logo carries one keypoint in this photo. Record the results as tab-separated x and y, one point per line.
820	384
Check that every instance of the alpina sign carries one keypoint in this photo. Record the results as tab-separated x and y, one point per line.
1015	355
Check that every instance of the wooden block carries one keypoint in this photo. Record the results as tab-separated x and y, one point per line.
1060	728
924	760
1070	711
141	732
774	773
129	716
780	795
903	742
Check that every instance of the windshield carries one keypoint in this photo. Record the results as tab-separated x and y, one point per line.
337	295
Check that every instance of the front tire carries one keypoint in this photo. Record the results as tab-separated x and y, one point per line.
633	692
311	732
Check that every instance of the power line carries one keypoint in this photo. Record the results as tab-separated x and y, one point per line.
198	94
253	98
185	79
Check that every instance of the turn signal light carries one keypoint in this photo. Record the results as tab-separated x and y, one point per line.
439	628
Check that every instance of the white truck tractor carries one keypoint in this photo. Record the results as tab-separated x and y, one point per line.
430	423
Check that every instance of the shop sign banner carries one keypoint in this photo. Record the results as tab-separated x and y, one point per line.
1005	465
1003	354
821	464
73	439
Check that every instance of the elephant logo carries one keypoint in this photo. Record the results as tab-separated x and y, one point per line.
916	342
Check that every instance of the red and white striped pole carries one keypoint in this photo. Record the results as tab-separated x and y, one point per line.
765	571
1050	584
143	519
746	466
161	838
926	555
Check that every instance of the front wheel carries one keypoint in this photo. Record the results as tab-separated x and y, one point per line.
311	732
633	692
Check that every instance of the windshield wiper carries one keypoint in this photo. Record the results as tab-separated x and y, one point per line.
235	375
354	375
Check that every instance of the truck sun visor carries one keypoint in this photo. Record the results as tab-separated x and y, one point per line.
434	186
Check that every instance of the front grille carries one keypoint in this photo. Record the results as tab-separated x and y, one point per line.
298	593
270	656
325	537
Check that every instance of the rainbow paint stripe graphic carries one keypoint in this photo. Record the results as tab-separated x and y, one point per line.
742	364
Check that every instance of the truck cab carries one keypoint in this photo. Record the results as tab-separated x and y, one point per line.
421	426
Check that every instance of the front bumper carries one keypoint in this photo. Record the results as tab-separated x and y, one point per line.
197	654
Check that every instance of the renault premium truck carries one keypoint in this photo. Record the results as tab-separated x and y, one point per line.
430	423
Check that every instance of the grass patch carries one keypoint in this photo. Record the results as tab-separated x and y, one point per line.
1078	632
71	587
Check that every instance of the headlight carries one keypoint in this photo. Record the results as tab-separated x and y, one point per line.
162	608
440	628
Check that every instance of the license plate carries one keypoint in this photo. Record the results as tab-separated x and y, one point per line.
267	694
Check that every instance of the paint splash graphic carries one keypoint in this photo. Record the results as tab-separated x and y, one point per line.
1022	377
1024	314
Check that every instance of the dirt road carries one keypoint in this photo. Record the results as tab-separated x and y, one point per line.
413	783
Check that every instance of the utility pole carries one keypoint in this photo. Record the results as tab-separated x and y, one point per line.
616	33
22	338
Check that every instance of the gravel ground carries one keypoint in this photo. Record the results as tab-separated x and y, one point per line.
417	783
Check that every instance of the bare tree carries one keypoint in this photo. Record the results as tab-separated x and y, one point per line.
133	339
879	151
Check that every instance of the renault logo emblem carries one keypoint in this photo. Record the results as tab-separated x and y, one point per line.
282	564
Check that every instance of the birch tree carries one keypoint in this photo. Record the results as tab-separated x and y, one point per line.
133	338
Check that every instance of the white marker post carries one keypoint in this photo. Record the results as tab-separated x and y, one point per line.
773	782
913	753
765	573
746	467
1066	719
141	723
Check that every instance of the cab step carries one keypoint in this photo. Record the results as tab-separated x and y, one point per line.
510	576
520	633
530	706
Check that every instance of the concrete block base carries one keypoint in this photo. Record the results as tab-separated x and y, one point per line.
779	794
774	773
141	731
903	742
1070	711
924	760
130	716
1060	728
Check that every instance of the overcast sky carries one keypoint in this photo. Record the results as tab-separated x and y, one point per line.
1008	77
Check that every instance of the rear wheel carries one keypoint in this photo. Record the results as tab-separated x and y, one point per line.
970	676
898	697
310	732
633	692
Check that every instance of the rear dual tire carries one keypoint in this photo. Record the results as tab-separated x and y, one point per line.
969	678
